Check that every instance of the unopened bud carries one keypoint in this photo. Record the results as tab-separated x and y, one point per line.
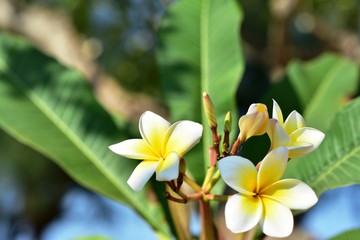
227	124
209	110
254	122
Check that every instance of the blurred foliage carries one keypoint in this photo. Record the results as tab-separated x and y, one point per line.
351	234
324	86
122	34
65	123
93	238
34	195
336	162
193	60
340	14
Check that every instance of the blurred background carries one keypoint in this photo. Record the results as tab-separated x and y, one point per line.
115	40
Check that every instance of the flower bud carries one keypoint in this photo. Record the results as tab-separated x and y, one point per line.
254	122
227	124
209	110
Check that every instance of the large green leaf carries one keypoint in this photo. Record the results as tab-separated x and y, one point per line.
323	86
200	50
336	162
52	109
351	234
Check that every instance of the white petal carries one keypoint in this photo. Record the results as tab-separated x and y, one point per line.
182	136
134	148
277	220
308	135
277	134
142	174
169	168
239	173
300	150
253	108
272	167
293	122
152	129
292	193
276	113
242	212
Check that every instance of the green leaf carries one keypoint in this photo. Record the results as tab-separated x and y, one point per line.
323	86
352	234
199	51
336	162
52	109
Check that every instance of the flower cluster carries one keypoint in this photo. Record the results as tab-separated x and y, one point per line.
293	134
262	197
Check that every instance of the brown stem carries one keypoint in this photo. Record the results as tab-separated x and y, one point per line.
171	184
235	146
207	226
226	144
194	196
216	141
212	156
220	198
174	199
179	182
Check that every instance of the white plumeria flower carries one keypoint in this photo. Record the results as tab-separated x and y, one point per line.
254	122
161	148
299	139
262	197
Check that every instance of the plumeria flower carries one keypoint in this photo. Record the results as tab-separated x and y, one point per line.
161	148
254	122
262	197
299	139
